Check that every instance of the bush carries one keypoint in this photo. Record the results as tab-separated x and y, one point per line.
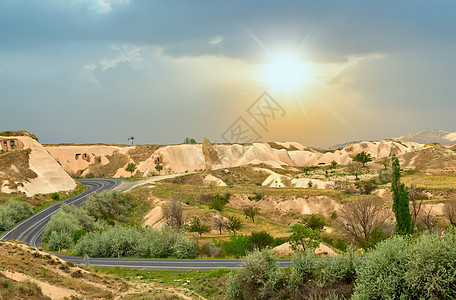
209	249
384	176
366	186
333	270
84	220
78	234
109	205
61	222
302	268
218	201
59	240
315	222
431	273
12	212
236	246
259	278
260	240
185	248
381	276
55	196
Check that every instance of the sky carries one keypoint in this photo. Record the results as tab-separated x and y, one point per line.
316	72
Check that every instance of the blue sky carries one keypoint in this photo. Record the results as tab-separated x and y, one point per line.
101	70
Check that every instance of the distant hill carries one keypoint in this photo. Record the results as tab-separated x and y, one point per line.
427	136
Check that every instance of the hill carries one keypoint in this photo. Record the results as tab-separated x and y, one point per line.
428	136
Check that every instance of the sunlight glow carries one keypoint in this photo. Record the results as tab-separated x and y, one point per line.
287	72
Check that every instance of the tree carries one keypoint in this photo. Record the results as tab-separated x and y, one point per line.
366	186
131	139
189	141
401	201
360	217
303	238
233	224
416	198
158	167
131	167
333	164
315	222
354	168
219	223
251	212
173	214
428	220
197	226
363	158
450	211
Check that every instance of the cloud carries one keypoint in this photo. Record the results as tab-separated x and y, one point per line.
126	54
87	74
99	6
130	54
216	40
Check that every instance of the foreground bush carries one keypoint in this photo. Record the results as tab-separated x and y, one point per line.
403	268
12	212
260	278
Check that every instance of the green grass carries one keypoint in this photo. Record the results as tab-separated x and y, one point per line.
209	284
431	181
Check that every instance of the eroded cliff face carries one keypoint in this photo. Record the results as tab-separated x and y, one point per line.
32	170
106	160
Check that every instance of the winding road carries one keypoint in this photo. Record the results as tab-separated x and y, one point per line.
30	231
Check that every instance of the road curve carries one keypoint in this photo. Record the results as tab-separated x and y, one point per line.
30	231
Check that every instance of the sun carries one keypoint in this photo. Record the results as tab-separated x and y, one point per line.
287	72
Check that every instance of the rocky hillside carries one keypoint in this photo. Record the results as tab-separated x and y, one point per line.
110	160
26	166
428	136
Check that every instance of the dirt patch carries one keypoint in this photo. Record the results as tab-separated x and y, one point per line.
141	153
115	161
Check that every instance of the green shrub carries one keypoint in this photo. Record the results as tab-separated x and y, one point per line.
55	196
12	212
381	276
185	248
315	222
431	273
333	270
259	278
302	268
109	205
236	246
384	176
61	222
59	240
218	201
260	240
78	234
209	249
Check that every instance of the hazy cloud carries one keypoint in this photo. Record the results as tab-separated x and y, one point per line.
130	54
216	40
99	6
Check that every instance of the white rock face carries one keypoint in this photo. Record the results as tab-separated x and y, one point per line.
190	157
51	177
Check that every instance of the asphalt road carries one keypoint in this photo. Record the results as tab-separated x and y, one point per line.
30	231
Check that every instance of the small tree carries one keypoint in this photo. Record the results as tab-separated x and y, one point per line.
303	238
158	167
416	198
360	217
251	212
363	158
196	226
315	222
219	223
450	211
354	168
333	164
233	224
131	167
401	201
189	141
173	214
131	139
